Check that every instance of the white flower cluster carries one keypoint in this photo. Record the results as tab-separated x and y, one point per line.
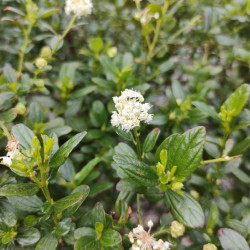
12	151
144	17
131	110
142	240
78	7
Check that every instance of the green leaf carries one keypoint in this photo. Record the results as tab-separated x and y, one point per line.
35	113
178	91
9	74
67	202
207	110
138	171
125	149
7	214
240	175
63	152
21	189
8	116
28	236
47	13
124	135
151	140
67	170
237	226
86	170
184	151
96	44
213	218
111	238
82	92
235	103
231	240
86	243
185	209
100	187
6	99
23	135
48	242
31	204
99	112
84	231
63	227
240	147
98	214
84	190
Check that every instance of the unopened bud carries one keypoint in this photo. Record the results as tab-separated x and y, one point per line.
41	63
172	116
46	52
20	107
177	229
177	186
195	194
178	101
39	83
112	52
209	246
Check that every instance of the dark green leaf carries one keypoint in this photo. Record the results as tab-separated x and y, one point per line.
185	209
111	238
124	135
7	214
21	189
100	187
63	152
48	242
151	140
237	226
28	236
138	171
87	243
231	240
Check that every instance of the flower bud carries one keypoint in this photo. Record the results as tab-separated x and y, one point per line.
112	52
20	107
195	194
46	52
172	116
41	63
39	83
209	246
178	101
177	186
177	229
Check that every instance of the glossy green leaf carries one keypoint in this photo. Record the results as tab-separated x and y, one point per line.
185	209
86	170
150	140
184	151
111	238
66	202
207	110
98	214
7	214
48	242
63	227
87	243
84	231
63	152
21	189
100	187
31	204
231	240
235	103
28	236
99	112
240	147
124	135
23	135
82	189
137	171
96	44
238	226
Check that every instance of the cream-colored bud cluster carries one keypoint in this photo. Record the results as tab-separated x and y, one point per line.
78	7
130	110
142	239
145	17
177	229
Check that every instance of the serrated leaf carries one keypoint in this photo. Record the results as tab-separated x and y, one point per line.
138	171
184	151
185	209
21	189
63	152
232	240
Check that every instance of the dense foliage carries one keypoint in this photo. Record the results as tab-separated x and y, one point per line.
175	157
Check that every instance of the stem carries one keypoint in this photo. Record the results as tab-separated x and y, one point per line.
137	144
139	209
222	159
5	130
23	48
64	34
161	231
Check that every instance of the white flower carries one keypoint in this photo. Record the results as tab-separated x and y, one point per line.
78	7
130	110
6	161
142	240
